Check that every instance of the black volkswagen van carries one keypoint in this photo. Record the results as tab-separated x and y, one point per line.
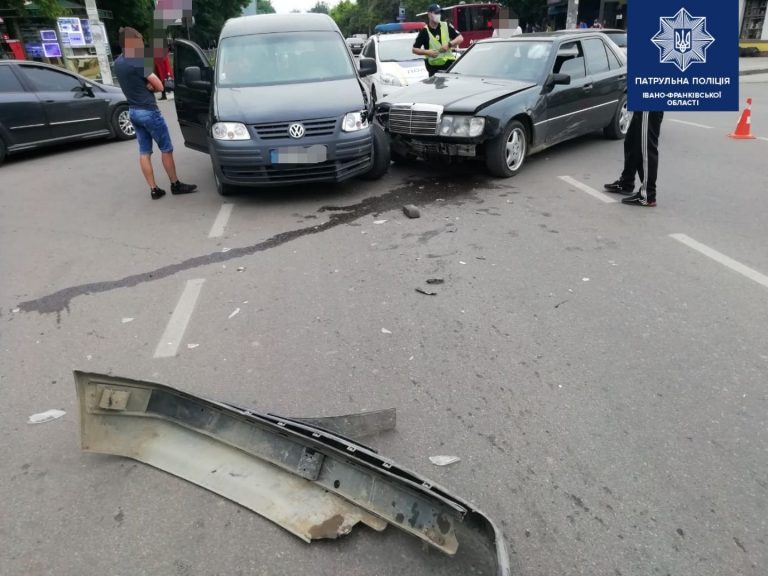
283	104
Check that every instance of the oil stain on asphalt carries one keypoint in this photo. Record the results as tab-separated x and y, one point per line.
419	192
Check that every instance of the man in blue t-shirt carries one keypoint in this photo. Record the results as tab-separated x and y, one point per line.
139	84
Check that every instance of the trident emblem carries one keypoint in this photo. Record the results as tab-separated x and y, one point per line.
683	40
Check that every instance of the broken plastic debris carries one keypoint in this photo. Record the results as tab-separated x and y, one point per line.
411	211
234	313
379	221
241	268
426	292
385	331
226	249
585	279
127	320
192	346
461	262
444	460
16	310
435	281
46	416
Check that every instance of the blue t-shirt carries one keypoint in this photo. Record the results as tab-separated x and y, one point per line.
132	76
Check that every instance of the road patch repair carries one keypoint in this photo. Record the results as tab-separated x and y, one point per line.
307	475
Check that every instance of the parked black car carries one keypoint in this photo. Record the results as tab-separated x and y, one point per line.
507	98
284	105
42	105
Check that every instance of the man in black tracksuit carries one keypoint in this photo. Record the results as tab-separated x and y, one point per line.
641	157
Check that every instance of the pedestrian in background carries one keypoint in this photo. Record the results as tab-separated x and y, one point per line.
641	157
139	83
164	72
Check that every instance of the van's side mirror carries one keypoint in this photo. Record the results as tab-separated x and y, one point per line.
367	67
193	77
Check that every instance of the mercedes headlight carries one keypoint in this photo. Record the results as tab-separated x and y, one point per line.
462	126
355	121
390	79
230	131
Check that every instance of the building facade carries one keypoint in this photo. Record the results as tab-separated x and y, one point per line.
753	25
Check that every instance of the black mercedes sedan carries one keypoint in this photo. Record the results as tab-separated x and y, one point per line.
42	105
505	99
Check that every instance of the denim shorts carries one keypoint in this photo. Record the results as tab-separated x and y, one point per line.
150	125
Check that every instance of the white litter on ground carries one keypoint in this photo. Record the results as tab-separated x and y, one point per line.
385	331
46	416
234	313
192	346
444	460
379	221
127	320
585	279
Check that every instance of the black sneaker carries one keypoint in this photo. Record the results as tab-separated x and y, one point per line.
619	187
179	187
638	200
157	193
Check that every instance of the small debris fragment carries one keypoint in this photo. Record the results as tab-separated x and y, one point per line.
444	460
89	357
226	249
411	211
127	320
192	346
234	313
241	268
16	310
435	281
426	292
379	221
385	331
481	257
46	416
585	279
561	303
461	262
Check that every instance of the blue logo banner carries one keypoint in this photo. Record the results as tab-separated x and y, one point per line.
683	55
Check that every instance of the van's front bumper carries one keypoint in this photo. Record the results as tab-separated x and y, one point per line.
248	163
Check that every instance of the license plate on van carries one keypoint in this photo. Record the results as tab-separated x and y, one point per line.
299	154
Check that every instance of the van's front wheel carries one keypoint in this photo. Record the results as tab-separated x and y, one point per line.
381	154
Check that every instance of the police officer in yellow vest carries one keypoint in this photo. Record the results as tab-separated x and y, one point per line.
436	42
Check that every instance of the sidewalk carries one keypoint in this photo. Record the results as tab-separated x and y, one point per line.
756	65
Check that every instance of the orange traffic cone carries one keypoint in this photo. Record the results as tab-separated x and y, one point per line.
744	127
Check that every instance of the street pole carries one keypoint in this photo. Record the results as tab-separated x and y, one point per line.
98	33
571	21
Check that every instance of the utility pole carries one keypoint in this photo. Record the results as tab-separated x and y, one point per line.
98	33
572	20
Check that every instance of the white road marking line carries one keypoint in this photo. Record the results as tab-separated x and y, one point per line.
591	191
722	259
177	325
217	230
690	123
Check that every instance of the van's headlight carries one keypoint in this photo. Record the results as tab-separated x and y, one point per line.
390	80
230	131
354	121
462	126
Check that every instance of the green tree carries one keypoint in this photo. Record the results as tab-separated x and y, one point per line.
136	14
264	7
320	8
210	16
42	8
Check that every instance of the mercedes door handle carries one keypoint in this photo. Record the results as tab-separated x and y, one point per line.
587	87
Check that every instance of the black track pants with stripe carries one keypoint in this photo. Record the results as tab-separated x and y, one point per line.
641	152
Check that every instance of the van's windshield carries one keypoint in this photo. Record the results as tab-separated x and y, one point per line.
262	59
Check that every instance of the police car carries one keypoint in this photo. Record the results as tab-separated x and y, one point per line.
396	65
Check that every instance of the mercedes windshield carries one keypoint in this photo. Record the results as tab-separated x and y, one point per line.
521	60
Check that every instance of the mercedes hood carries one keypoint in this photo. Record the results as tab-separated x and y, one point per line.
463	94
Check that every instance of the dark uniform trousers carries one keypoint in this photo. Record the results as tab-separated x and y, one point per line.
641	153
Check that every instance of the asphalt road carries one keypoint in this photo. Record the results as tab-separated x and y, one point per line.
603	382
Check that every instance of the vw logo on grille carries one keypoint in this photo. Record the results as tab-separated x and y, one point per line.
296	130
